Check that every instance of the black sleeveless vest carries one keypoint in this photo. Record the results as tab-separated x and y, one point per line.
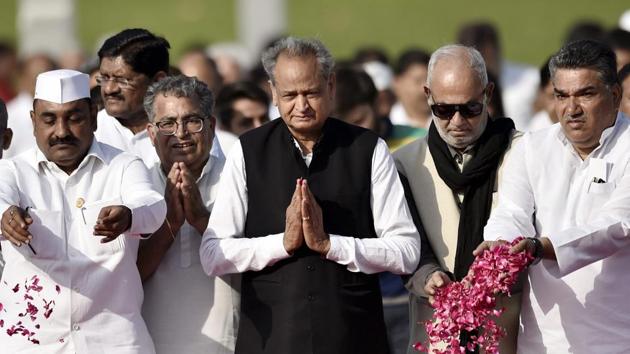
306	304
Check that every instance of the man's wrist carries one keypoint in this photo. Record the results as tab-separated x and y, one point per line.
537	250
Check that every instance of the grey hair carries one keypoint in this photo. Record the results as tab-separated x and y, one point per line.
298	47
455	51
179	86
3	116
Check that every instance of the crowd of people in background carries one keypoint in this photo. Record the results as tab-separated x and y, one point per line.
226	233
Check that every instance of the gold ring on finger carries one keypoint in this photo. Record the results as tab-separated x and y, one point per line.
306	218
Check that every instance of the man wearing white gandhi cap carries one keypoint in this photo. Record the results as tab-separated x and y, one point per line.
73	210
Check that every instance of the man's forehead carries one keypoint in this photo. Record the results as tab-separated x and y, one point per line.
172	106
116	65
576	79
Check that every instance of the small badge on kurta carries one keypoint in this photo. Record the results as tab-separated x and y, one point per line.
80	202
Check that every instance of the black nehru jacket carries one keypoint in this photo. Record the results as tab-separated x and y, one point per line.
306	304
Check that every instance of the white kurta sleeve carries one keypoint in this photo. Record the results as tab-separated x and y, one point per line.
148	208
513	216
224	249
607	231
397	246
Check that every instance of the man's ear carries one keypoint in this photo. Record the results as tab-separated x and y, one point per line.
8	135
427	91
274	95
32	114
332	85
152	133
617	94
489	91
159	76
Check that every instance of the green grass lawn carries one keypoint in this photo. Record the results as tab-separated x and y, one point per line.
530	30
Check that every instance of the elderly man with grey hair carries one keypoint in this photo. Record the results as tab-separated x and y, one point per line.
309	209
451	175
205	316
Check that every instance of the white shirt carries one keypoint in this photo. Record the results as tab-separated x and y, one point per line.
98	308
110	131
185	310
578	304
519	86
225	249
226	140
19	112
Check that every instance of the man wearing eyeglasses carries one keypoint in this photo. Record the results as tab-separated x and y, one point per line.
205	317
129	62
451	177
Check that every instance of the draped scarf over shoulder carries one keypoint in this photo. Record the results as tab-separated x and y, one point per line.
476	181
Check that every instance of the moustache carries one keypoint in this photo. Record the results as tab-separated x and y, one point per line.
64	141
114	96
575	120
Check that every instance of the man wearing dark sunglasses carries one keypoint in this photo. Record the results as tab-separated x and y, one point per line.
451	176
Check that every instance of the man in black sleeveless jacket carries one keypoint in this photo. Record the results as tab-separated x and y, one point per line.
309	208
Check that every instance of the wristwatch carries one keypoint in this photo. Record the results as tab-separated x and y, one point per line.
538	249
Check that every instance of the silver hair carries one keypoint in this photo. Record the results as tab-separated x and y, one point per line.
455	51
298	47
179	86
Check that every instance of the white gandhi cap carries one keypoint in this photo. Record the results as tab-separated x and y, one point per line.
62	86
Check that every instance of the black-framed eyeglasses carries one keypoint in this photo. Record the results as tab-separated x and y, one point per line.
122	82
169	127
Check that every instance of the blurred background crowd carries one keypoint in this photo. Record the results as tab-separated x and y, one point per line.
220	42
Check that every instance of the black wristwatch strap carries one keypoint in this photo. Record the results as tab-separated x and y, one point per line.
538	250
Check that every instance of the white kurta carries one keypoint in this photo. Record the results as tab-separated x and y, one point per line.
98	307
578	304
185	310
225	249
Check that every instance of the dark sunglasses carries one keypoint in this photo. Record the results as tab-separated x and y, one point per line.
447	111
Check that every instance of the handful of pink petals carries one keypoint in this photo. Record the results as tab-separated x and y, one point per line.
470	305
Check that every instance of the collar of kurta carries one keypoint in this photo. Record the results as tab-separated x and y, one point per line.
95	151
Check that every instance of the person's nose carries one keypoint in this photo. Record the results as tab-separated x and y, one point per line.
62	129
180	130
302	104
109	86
574	108
458	120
